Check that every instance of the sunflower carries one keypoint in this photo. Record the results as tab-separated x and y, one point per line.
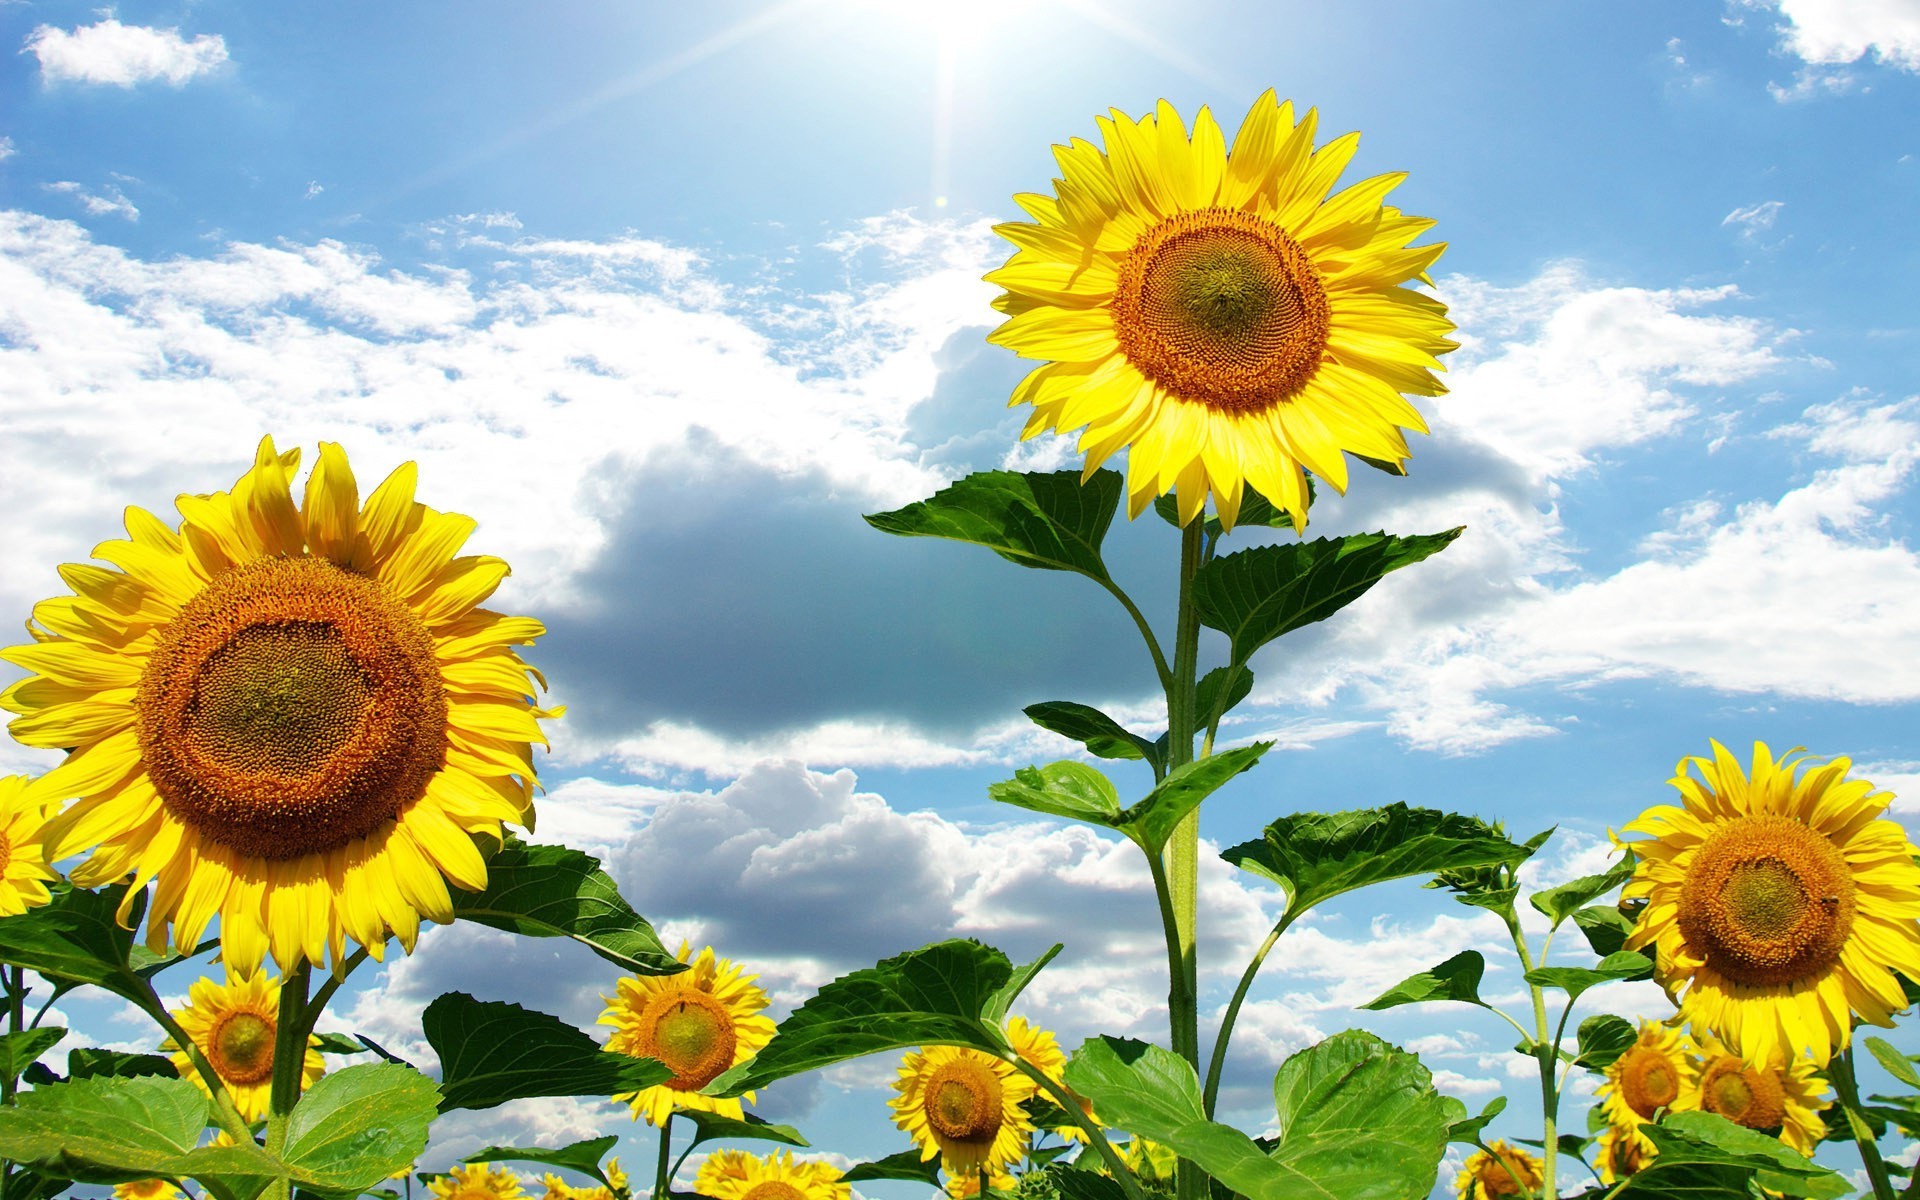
292	717
1218	312
1782	1100
234	1024
738	1175
148	1189
965	1106
476	1181
1623	1151
560	1189
959	1187
1497	1172
1656	1073
1041	1050
1779	902
699	1023
24	873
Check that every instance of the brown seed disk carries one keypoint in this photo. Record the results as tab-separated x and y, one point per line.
773	1189
1648	1081
290	708
1222	308
691	1032
1744	1095
963	1101
1767	900
240	1047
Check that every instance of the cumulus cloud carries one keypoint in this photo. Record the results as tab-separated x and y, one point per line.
110	201
108	52
1827	32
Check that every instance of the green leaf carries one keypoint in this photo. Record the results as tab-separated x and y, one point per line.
935	995
1468	1130
583	1157
75	939
552	891
994	1011
1255	510
1063	789
708	1126
1606	928
1254	596
356	1126
1575	980
1214	691
907	1165
1706	1139
1561	902
1458	978
1103	736
87	1062
1358	1119
23	1046
1604	1038
1076	1184
1316	856
337	1043
32	1185
1151	822
1897	1064
1050	521
491	1053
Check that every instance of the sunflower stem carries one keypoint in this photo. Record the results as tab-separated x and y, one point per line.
662	1172
1218	1063
1183	848
289	1058
1840	1070
16	980
1070	1105
1547	1054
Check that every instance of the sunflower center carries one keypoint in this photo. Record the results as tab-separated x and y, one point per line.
963	1101
290	708
1497	1180
692	1033
241	1048
1768	901
1744	1095
1221	308
1647	1081
6	852
773	1189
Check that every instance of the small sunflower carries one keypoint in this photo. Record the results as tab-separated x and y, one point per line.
1622	1151
1657	1072
24	873
963	1105
1217	312
738	1175
560	1189
1506	1171
234	1024
294	718
1779	902
148	1189
959	1187
476	1181
1041	1049
699	1023
1782	1100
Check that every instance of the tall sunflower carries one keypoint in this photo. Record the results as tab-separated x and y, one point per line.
1778	902
1781	1099
24	873
1657	1072
1217	312
476	1181
234	1025
293	718
699	1023
738	1175
1498	1172
963	1105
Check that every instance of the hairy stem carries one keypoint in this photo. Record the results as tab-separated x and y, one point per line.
1546	1052
1840	1070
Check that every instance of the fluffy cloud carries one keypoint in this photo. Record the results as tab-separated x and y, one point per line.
108	202
1827	32
108	52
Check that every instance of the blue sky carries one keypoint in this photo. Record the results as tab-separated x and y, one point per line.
666	296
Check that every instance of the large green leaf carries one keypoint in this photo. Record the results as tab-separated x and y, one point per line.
1605	926
74	939
1705	1139
1897	1064
552	891
1458	978
1047	520
1358	1119
1063	789
1316	856
1575	980
583	1157
713	1126
492	1052
356	1126
85	1062
1254	596
934	995
22	1046
1220	689
1603	1039
1103	736
1564	901
905	1164
1467	1130
1151	821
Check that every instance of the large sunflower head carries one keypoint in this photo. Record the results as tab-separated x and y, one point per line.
293	717
699	1023
1778	901
24	873
1041	1050
1782	1099
234	1024
1657	1073
1499	1172
1217	312
738	1175
476	1181
963	1105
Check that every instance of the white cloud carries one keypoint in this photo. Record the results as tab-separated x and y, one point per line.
1826	32
108	52
109	202
6	149
1754	219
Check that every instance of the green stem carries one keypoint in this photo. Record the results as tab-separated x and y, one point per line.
1146	633
16	980
662	1172
1070	1104
328	986
1219	1059
289	1057
227	1116
1840	1070
1546	1053
1182	855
